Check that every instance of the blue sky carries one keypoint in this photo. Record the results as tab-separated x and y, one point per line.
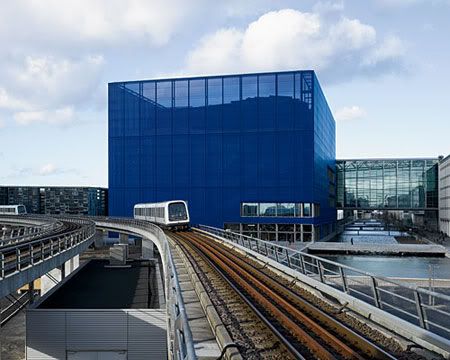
383	65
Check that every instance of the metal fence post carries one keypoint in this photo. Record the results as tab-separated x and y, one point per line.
320	270
419	309
288	259
376	296
343	279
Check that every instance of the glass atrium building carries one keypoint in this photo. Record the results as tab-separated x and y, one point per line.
251	152
406	185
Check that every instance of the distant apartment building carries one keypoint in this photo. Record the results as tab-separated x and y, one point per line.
57	199
444	195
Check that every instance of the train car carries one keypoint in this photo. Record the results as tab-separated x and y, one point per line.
13	210
173	215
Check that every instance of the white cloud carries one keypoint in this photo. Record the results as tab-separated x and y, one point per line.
290	39
2	125
63	116
45	89
47	169
350	113
99	22
328	6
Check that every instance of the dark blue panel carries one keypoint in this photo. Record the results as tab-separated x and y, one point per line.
249	160
249	106
213	160
163	161
231	104
131	109
181	108
181	160
231	163
131	161
214	108
267	166
197	102
198	158
164	107
267	102
115	109
148	109
116	162
148	166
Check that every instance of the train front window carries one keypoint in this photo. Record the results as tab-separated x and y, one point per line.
177	211
21	209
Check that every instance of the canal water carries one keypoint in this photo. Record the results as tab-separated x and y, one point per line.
376	232
392	266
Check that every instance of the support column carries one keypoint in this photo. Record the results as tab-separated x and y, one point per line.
31	292
147	249
55	276
123	239
99	238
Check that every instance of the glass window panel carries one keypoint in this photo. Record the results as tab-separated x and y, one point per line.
285	209
232	227
197	93
250	227
214	91
307	210
230	89
267	227
181	93
286	85
298	209
249	87
266	85
286	227
164	93
249	209
267	209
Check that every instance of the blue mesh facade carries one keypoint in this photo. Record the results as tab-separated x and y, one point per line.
221	142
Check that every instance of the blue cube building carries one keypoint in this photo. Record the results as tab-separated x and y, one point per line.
254	153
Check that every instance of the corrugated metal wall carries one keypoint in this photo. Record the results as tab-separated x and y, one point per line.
51	333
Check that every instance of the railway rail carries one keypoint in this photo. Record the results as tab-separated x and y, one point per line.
306	331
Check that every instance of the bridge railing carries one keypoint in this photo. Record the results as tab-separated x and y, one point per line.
41	226
181	344
19	256
422	307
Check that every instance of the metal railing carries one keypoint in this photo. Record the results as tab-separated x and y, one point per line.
40	227
419	306
181	344
20	256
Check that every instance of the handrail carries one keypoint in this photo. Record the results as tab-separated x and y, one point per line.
181	344
428	309
17	257
41	225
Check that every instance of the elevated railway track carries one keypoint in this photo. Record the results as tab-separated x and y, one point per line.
304	331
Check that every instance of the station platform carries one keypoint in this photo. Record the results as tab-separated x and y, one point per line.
376	249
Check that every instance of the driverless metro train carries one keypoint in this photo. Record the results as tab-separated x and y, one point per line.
172	215
12	210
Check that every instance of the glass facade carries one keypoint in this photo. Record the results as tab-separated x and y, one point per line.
220	141
387	184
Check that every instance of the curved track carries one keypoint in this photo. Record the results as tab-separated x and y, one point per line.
306	331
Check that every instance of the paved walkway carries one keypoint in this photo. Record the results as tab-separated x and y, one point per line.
206	346
376	249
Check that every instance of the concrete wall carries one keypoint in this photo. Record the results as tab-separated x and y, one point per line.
56	334
57	274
